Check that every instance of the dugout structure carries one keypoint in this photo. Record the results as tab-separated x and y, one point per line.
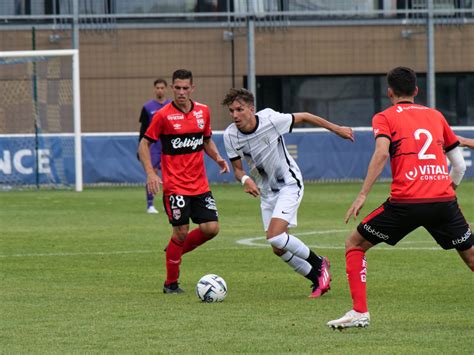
41	131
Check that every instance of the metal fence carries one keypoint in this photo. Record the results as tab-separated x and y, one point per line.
326	57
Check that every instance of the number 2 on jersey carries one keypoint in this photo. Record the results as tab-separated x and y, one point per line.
429	139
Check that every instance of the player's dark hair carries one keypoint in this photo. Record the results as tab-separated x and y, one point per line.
183	74
238	94
160	81
402	81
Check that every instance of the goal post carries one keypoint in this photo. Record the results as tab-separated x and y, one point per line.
24	74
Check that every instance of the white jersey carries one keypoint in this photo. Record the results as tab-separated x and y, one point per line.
264	150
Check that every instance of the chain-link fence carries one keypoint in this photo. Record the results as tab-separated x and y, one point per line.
326	57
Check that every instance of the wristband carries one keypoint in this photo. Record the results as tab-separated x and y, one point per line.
244	179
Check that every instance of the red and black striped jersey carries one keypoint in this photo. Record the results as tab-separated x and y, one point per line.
419	139
182	138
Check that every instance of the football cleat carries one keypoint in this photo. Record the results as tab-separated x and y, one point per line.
324	280
151	209
172	288
351	319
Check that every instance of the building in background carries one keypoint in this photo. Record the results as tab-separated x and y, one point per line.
324	56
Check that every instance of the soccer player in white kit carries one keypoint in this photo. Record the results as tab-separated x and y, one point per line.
275	177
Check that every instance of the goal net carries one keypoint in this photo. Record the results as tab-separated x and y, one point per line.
40	130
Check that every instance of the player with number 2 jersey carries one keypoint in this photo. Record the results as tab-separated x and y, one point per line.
418	140
420	137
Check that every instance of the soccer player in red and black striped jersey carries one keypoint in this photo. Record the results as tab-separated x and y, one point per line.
184	129
418	140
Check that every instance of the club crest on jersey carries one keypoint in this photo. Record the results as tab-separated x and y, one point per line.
176	214
266	140
200	123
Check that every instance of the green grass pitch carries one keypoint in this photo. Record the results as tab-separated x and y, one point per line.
83	272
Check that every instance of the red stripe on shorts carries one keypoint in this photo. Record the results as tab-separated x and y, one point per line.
373	214
166	198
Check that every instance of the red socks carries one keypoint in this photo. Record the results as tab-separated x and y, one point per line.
174	251
194	239
177	248
356	268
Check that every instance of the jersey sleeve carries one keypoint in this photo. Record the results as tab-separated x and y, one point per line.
155	129
450	139
207	128
380	127
143	123
143	116
230	149
283	122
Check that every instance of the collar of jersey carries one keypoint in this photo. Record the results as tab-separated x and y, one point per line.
253	130
176	107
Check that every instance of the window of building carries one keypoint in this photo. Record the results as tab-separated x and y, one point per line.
353	100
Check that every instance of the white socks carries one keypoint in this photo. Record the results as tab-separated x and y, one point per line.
301	266
290	243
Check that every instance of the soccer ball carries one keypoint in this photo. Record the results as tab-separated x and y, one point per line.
211	288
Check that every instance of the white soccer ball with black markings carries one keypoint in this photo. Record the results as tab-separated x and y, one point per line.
211	288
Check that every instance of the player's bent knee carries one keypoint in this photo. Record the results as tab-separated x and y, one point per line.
278	241
357	241
210	229
467	256
180	232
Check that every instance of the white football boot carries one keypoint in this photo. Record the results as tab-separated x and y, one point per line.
350	320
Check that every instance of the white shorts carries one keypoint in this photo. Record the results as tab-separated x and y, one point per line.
282	204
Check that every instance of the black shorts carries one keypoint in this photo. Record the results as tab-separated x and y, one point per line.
200	208
391	222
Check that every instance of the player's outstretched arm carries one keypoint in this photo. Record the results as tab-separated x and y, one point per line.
249	185
153	181
376	165
466	142
211	150
341	131
458	166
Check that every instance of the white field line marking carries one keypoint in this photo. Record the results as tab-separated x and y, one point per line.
250	241
256	242
247	242
78	254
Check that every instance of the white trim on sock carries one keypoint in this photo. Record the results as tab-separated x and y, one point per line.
299	265
290	243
